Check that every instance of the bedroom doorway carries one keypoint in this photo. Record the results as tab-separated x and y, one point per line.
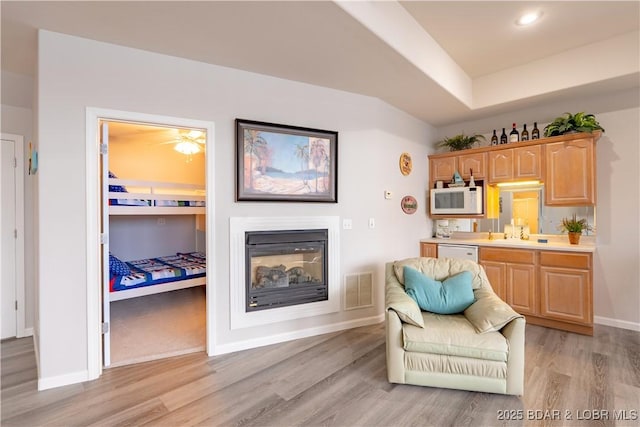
153	180
126	210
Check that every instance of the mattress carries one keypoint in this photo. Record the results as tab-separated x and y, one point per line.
153	271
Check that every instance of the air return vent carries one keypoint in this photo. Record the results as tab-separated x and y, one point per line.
358	290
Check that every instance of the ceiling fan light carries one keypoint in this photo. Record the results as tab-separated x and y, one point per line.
187	147
528	18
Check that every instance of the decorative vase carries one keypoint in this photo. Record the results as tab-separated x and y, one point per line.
574	237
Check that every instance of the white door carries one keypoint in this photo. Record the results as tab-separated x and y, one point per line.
106	307
12	240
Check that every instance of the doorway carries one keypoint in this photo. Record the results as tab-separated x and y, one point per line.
12	236
153	177
96	256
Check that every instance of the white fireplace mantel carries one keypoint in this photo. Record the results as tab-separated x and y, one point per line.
238	226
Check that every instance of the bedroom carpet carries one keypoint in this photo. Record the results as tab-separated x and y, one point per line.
158	326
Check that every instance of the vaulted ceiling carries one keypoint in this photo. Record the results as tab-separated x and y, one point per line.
442	62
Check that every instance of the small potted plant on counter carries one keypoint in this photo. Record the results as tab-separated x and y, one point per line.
574	227
460	142
571	123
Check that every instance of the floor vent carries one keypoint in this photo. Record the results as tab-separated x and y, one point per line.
358	290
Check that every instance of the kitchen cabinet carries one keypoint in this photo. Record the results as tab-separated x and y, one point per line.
512	274
474	161
443	168
551	288
565	287
429	250
570	172
515	164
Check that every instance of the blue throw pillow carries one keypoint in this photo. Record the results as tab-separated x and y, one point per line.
118	267
453	295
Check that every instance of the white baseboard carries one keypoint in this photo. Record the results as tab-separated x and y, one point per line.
61	380
274	339
616	323
26	332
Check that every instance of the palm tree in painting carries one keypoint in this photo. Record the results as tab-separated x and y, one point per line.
318	153
253	144
327	178
302	152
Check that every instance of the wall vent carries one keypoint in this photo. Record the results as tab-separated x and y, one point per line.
358	290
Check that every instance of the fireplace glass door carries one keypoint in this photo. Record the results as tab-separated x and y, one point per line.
285	268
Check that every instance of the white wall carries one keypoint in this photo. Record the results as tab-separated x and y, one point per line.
77	73
16	117
616	267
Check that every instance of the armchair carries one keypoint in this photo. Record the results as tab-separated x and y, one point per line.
481	349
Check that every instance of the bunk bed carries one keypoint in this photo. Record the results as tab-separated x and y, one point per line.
155	275
149	276
134	197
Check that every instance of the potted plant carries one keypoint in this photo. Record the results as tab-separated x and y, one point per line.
568	123
574	226
460	142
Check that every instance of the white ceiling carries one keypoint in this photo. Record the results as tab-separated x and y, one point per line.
442	62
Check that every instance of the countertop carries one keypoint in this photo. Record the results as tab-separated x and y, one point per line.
555	243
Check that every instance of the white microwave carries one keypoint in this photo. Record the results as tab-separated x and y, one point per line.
456	201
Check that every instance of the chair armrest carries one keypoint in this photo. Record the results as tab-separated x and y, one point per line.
396	299
514	332
489	313
395	350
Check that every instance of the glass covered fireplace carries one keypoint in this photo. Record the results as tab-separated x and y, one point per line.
285	267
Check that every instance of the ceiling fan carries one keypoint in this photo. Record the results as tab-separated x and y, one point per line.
189	141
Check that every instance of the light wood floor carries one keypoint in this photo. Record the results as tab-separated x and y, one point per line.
337	379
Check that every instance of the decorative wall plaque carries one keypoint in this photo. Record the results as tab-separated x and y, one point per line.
409	205
405	163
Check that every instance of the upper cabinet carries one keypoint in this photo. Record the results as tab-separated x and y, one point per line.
570	172
443	168
515	164
566	165
476	162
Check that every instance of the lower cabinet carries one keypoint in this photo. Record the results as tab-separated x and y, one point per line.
429	250
565	287
551	288
512	274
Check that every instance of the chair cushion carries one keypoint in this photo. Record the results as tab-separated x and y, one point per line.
441	268
453	295
453	335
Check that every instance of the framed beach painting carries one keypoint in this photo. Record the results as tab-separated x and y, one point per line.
285	163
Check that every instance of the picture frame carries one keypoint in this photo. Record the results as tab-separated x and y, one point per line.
282	163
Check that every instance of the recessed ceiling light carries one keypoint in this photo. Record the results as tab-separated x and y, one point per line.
528	18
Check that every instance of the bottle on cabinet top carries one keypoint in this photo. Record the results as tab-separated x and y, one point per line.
514	136
494	138
503	137
525	133
535	133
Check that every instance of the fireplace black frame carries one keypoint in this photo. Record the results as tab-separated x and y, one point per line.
275	242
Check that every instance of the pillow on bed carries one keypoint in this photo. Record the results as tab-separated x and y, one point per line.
118	267
116	188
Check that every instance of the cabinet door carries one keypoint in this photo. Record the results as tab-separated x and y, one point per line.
527	162
521	288
570	173
442	169
429	250
496	273
476	162
500	166
565	294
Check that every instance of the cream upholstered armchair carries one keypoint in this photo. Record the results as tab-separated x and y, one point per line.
480	349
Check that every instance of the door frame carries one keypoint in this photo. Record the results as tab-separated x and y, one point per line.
93	213
18	152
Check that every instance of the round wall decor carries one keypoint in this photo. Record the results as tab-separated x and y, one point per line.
409	205
405	163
